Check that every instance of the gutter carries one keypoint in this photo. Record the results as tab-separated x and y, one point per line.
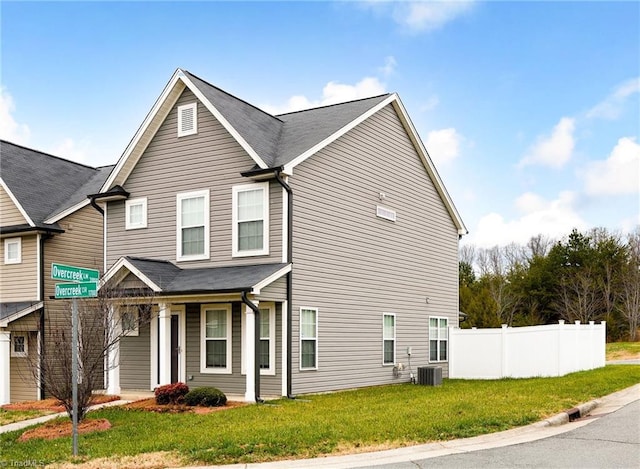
256	347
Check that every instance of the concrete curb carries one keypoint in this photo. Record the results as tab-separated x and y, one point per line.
570	415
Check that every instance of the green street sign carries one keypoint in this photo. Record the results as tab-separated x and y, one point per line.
73	274
76	290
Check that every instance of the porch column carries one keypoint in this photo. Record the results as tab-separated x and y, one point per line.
164	348
285	348
5	354
250	353
112	364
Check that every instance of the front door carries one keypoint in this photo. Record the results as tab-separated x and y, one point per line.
175	347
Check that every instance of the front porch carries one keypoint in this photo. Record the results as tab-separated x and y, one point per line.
218	336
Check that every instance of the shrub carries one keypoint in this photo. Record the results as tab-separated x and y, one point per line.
208	397
171	393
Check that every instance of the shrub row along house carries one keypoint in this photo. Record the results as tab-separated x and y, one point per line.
305	252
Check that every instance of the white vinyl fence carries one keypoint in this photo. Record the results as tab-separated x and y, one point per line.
522	352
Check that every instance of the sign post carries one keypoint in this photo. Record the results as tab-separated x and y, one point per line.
85	286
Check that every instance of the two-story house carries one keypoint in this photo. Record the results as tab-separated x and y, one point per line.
45	217
319	247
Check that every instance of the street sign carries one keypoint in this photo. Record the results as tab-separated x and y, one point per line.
76	290
73	274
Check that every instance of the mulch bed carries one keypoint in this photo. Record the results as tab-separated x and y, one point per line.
58	429
150	405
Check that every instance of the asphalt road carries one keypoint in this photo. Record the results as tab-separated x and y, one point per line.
609	441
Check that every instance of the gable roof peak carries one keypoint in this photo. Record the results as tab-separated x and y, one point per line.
325	106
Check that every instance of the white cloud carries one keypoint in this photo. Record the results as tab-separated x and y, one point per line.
553	218
9	128
611	106
429	15
443	145
332	93
389	66
71	150
618	174
553	150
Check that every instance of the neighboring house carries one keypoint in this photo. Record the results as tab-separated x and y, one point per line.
45	217
330	226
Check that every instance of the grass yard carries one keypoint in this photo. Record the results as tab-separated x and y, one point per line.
360	420
12	416
623	350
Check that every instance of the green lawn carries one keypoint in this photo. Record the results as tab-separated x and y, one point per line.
379	417
11	416
623	350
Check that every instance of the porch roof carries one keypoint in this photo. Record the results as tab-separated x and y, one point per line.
164	277
11	311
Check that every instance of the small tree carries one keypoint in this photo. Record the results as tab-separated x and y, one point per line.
629	294
100	328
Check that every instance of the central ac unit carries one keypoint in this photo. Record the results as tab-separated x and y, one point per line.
430	375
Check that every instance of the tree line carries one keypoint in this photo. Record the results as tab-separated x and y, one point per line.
586	276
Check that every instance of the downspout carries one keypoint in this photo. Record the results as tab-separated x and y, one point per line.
287	187
43	238
256	360
92	201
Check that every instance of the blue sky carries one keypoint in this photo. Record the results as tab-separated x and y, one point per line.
530	110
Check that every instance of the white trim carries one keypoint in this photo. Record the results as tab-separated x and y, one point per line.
207	214
285	346
5	367
164	345
128	225
315	367
124	262
39	372
153	350
19	314
264	186
25	352
13	198
271	307
203	349
225	123
7	242
285	222
194	109
65	213
270	279
395	341
156	116
105	222
288	168
39	270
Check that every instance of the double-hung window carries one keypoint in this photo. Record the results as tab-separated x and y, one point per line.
308	338
136	214
438	338
193	225
13	251
215	325
388	339
19	345
251	219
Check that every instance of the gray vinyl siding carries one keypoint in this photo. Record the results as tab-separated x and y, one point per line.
19	282
212	159
22	386
235	383
354	267
135	360
9	213
277	291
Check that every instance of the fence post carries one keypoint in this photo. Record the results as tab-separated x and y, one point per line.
561	331
505	352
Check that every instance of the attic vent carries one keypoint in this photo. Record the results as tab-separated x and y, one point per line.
187	119
385	213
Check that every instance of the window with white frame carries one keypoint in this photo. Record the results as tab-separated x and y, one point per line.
13	251
136	214
388	339
19	345
308	338
267	348
438	338
129	320
192	225
251	219
215	329
187	119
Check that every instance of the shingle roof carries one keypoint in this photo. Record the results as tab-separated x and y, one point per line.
279	139
12	308
45	185
172	279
